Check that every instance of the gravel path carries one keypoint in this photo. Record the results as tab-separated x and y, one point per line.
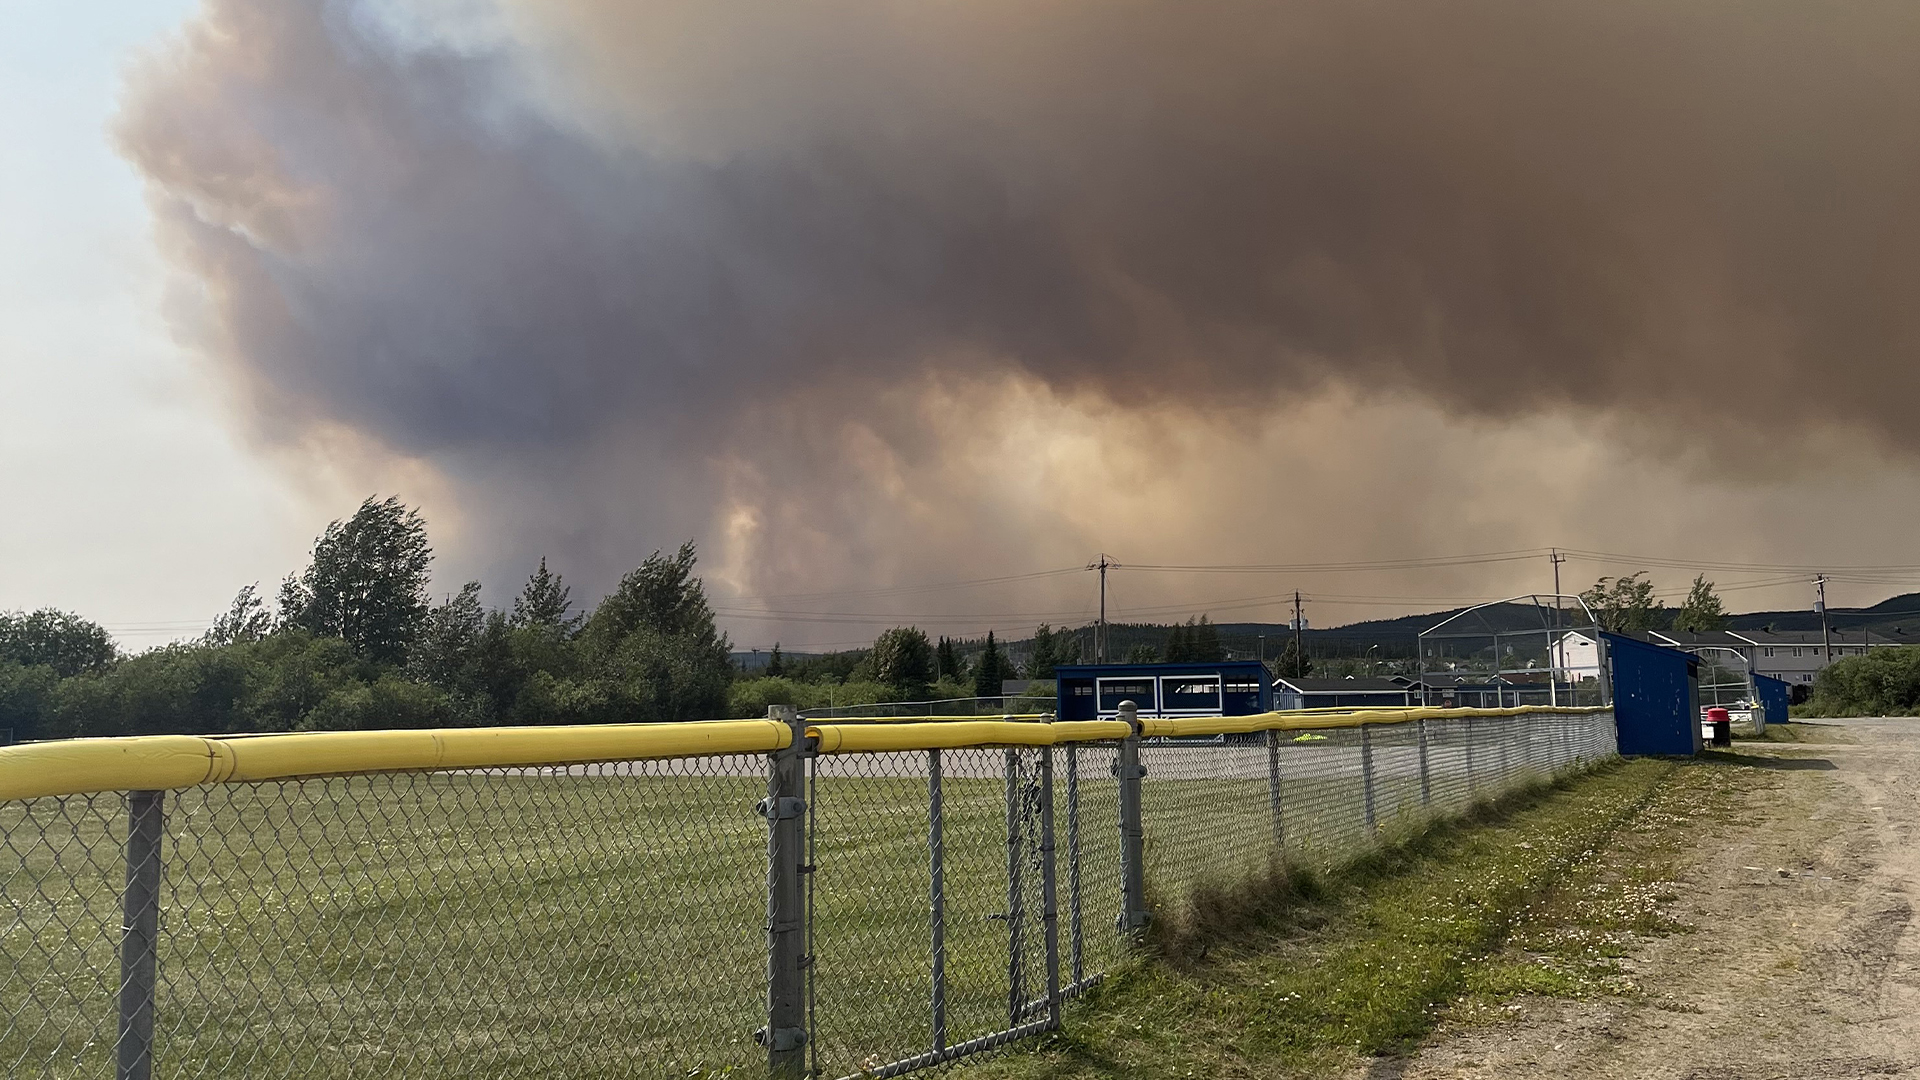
1803	966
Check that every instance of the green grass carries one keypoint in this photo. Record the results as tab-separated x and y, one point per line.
1314	971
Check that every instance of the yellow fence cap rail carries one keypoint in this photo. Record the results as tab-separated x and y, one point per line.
1324	719
931	719
161	762
78	766
958	734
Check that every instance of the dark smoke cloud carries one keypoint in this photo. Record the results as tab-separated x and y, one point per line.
628	272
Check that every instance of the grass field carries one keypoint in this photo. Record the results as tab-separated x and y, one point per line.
594	923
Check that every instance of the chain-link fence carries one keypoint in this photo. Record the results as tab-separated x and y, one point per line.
689	900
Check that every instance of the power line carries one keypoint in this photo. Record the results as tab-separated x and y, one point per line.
904	590
1478	559
1900	569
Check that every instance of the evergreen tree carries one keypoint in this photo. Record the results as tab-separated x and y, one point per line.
946	661
1142	653
1203	643
544	602
1702	611
989	670
776	664
1294	662
1179	645
367	582
1046	653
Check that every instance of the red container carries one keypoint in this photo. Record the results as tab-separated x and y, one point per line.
1719	716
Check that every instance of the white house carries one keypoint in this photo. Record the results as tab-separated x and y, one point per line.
1576	656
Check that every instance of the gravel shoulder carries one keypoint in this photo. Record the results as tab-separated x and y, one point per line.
1800	963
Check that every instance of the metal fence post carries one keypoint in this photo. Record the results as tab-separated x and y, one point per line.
937	897
1049	888
1273	794
1133	875
1426	778
1500	744
1366	773
785	806
140	935
1472	785
1075	948
1016	907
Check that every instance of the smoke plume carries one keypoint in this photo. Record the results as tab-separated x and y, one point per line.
859	291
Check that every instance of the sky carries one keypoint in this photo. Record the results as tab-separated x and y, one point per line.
128	496
869	306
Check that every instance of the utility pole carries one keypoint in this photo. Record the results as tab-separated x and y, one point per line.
1299	657
1103	562
1555	644
1820	605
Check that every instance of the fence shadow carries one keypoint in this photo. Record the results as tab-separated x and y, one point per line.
1761	761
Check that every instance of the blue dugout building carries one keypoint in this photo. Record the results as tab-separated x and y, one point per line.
1656	697
1228	688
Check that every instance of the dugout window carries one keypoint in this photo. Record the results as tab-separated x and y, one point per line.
1190	693
1114	691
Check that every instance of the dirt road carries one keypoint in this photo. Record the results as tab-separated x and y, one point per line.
1803	965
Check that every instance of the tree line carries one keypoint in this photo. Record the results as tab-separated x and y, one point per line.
355	641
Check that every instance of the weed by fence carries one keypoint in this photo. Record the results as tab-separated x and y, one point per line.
831	899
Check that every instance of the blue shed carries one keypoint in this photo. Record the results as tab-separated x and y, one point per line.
1773	697
1227	688
1656	697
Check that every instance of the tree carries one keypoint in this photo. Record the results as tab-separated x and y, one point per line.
544	602
1046	653
1623	605
1702	611
367	583
1293	662
777	664
946	661
1203	642
654	648
989	670
1179	644
1142	653
60	640
246	619
902	659
449	641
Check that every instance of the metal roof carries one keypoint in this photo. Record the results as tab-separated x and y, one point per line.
1341	686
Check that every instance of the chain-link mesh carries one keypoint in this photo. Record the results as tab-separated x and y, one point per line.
65	872
1087	817
931	930
596	921
1207	818
613	919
